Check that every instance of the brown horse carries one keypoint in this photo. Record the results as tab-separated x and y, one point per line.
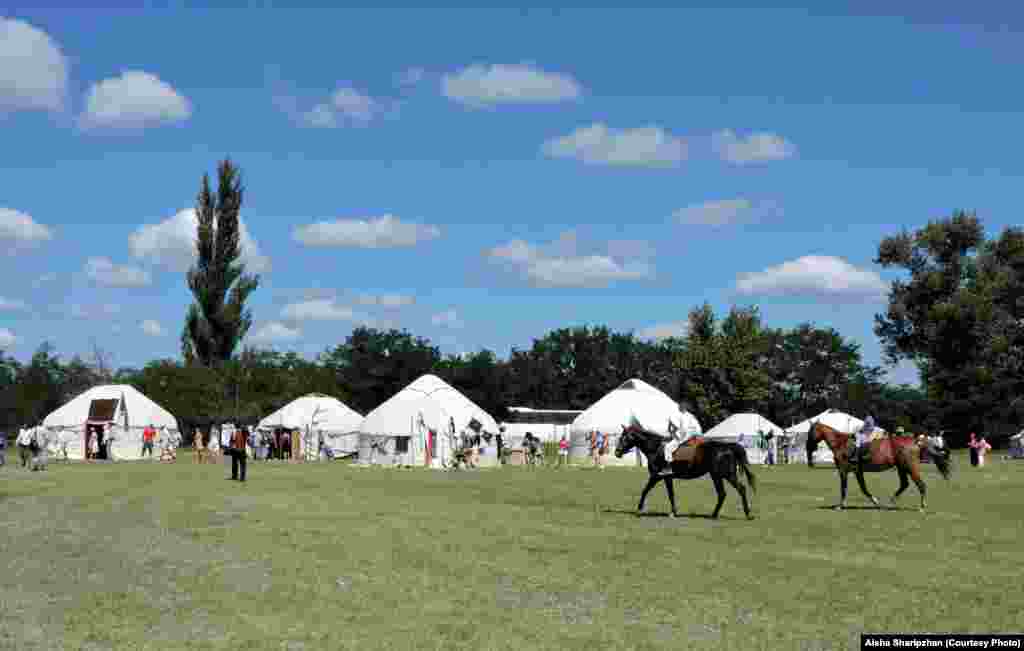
900	452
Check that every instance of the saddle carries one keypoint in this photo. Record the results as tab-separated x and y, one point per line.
883	451
689	452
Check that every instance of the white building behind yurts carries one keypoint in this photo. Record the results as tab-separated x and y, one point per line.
744	429
318	417
797	435
654	410
120	409
396	432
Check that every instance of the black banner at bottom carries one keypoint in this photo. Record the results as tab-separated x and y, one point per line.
942	641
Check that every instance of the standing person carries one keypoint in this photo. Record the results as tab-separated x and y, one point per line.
296	437
594	447
602	449
236	448
3	448
148	435
973	445
563	451
769	442
982	446
25	446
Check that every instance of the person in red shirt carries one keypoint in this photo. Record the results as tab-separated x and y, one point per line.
148	435
563	451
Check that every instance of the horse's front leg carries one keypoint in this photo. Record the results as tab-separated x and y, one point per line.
842	489
671	495
647	489
864	487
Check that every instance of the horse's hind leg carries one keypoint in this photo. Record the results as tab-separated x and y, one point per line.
643	495
904	483
720	489
915	474
742	490
671	496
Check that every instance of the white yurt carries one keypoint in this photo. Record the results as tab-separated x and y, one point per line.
120	411
748	430
421	425
797	435
652	408
320	418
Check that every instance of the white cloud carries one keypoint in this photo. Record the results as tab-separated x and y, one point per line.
134	100
447	319
274	331
412	76
317	310
664	330
391	301
105	272
152	328
18	229
12	305
481	85
7	338
373	233
726	211
559	264
599	145
814	276
171	244
346	106
755	148
33	71
92	312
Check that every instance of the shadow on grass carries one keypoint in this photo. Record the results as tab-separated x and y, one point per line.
665	515
834	507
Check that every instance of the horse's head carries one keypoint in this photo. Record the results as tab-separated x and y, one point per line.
627	441
812	443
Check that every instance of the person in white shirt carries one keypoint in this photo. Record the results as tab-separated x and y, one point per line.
25	446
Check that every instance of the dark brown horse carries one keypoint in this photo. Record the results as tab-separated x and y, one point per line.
900	452
695	458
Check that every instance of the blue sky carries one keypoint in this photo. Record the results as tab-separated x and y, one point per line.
482	177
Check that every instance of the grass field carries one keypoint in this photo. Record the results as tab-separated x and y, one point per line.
328	556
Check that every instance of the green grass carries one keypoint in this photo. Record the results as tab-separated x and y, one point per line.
327	556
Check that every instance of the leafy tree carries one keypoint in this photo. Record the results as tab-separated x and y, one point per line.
218	320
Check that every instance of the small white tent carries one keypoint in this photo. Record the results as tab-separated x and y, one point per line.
319	417
797	434
398	432
745	430
120	409
652	408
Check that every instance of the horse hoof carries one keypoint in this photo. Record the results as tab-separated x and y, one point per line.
750	517
837	507
671	515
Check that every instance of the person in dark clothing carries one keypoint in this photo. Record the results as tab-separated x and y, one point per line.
237	452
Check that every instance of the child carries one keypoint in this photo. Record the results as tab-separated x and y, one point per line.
982	446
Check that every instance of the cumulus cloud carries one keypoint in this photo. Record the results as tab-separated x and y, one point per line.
105	272
726	212
664	331
481	85
7	338
152	328
391	301
814	276
598	144
317	310
33	70
559	264
447	319
12	305
755	148
134	100
372	233
347	106
274	331
18	230
171	244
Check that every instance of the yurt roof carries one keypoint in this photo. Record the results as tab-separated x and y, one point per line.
834	418
448	404
127	400
746	423
315	409
634	398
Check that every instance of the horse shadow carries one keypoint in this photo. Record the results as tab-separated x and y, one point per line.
665	515
833	507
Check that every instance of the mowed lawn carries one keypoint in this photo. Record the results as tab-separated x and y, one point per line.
330	556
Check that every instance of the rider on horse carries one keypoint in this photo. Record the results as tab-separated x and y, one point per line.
863	440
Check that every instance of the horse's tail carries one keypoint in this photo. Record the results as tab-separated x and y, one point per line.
941	457
744	464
